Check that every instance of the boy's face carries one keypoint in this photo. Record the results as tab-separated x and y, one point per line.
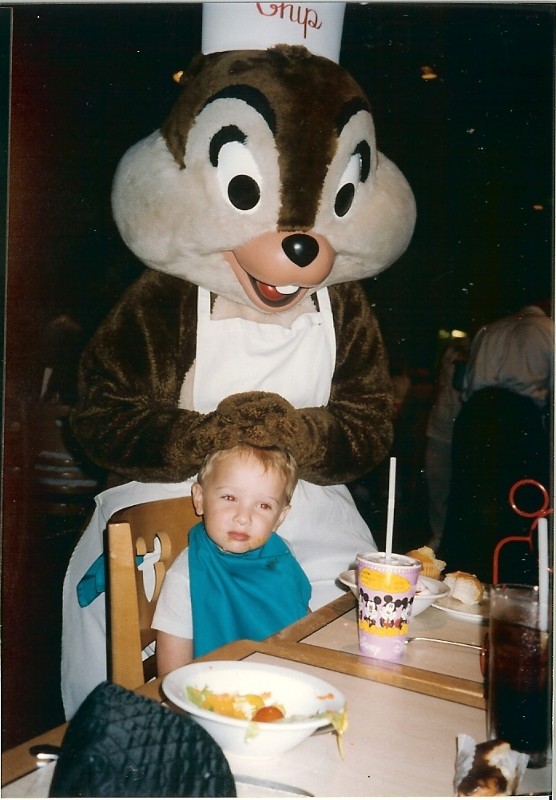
241	503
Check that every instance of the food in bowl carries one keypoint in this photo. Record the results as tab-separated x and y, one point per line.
238	706
268	714
306	702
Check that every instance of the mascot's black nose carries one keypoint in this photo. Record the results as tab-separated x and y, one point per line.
300	248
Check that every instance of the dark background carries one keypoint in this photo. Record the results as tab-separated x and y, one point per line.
90	80
476	145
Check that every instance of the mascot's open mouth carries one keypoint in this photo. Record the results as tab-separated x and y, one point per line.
274	296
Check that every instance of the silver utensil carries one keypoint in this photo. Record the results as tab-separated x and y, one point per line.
246	780
442	641
324	729
45	753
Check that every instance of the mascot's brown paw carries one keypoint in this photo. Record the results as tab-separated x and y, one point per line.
263	419
253	407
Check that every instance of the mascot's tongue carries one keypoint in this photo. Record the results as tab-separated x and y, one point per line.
275	292
270	292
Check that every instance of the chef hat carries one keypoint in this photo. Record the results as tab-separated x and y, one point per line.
257	26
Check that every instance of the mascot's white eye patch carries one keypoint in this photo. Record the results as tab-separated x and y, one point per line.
353	166
238	175
232	159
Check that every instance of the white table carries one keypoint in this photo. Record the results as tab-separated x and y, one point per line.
421	652
403	718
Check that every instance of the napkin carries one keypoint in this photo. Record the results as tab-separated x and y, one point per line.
120	744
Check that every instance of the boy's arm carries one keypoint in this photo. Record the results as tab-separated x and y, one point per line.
172	652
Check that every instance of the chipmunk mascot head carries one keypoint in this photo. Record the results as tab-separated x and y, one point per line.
258	205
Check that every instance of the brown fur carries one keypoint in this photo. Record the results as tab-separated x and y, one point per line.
306	92
129	386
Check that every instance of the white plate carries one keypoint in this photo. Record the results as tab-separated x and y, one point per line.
456	608
431	587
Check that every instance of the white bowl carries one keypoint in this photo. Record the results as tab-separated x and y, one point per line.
300	694
430	590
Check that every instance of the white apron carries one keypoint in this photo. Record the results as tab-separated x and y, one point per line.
323	527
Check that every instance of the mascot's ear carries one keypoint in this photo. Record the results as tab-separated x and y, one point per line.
184	77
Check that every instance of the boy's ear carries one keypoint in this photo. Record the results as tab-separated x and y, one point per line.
283	515
197	498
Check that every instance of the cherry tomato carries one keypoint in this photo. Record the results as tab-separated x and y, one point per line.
268	714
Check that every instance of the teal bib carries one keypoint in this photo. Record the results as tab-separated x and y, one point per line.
242	596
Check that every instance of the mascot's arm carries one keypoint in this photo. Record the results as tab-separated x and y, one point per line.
344	439
127	419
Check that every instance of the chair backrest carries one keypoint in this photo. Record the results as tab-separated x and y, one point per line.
142	541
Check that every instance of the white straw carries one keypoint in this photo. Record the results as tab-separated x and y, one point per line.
391	503
542	531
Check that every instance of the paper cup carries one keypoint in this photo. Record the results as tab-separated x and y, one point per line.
386	589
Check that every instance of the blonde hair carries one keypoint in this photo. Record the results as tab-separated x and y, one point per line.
271	458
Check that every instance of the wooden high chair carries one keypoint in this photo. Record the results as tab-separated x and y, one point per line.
142	541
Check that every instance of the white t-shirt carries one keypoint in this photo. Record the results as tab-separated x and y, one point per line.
515	353
173	609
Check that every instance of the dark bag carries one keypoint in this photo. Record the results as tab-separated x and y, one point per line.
120	744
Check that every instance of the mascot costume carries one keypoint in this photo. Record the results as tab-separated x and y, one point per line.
258	205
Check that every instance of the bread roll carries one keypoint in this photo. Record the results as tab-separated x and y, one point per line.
431	565
464	587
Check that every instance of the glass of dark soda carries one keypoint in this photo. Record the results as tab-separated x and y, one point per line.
519	671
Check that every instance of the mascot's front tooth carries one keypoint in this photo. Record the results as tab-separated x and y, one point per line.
287	289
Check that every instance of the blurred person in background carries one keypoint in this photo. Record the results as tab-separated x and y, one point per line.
501	435
440	426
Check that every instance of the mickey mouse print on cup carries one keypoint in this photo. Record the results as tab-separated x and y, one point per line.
386	588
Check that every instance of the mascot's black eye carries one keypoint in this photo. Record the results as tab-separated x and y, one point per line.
243	192
238	175
344	199
356	172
